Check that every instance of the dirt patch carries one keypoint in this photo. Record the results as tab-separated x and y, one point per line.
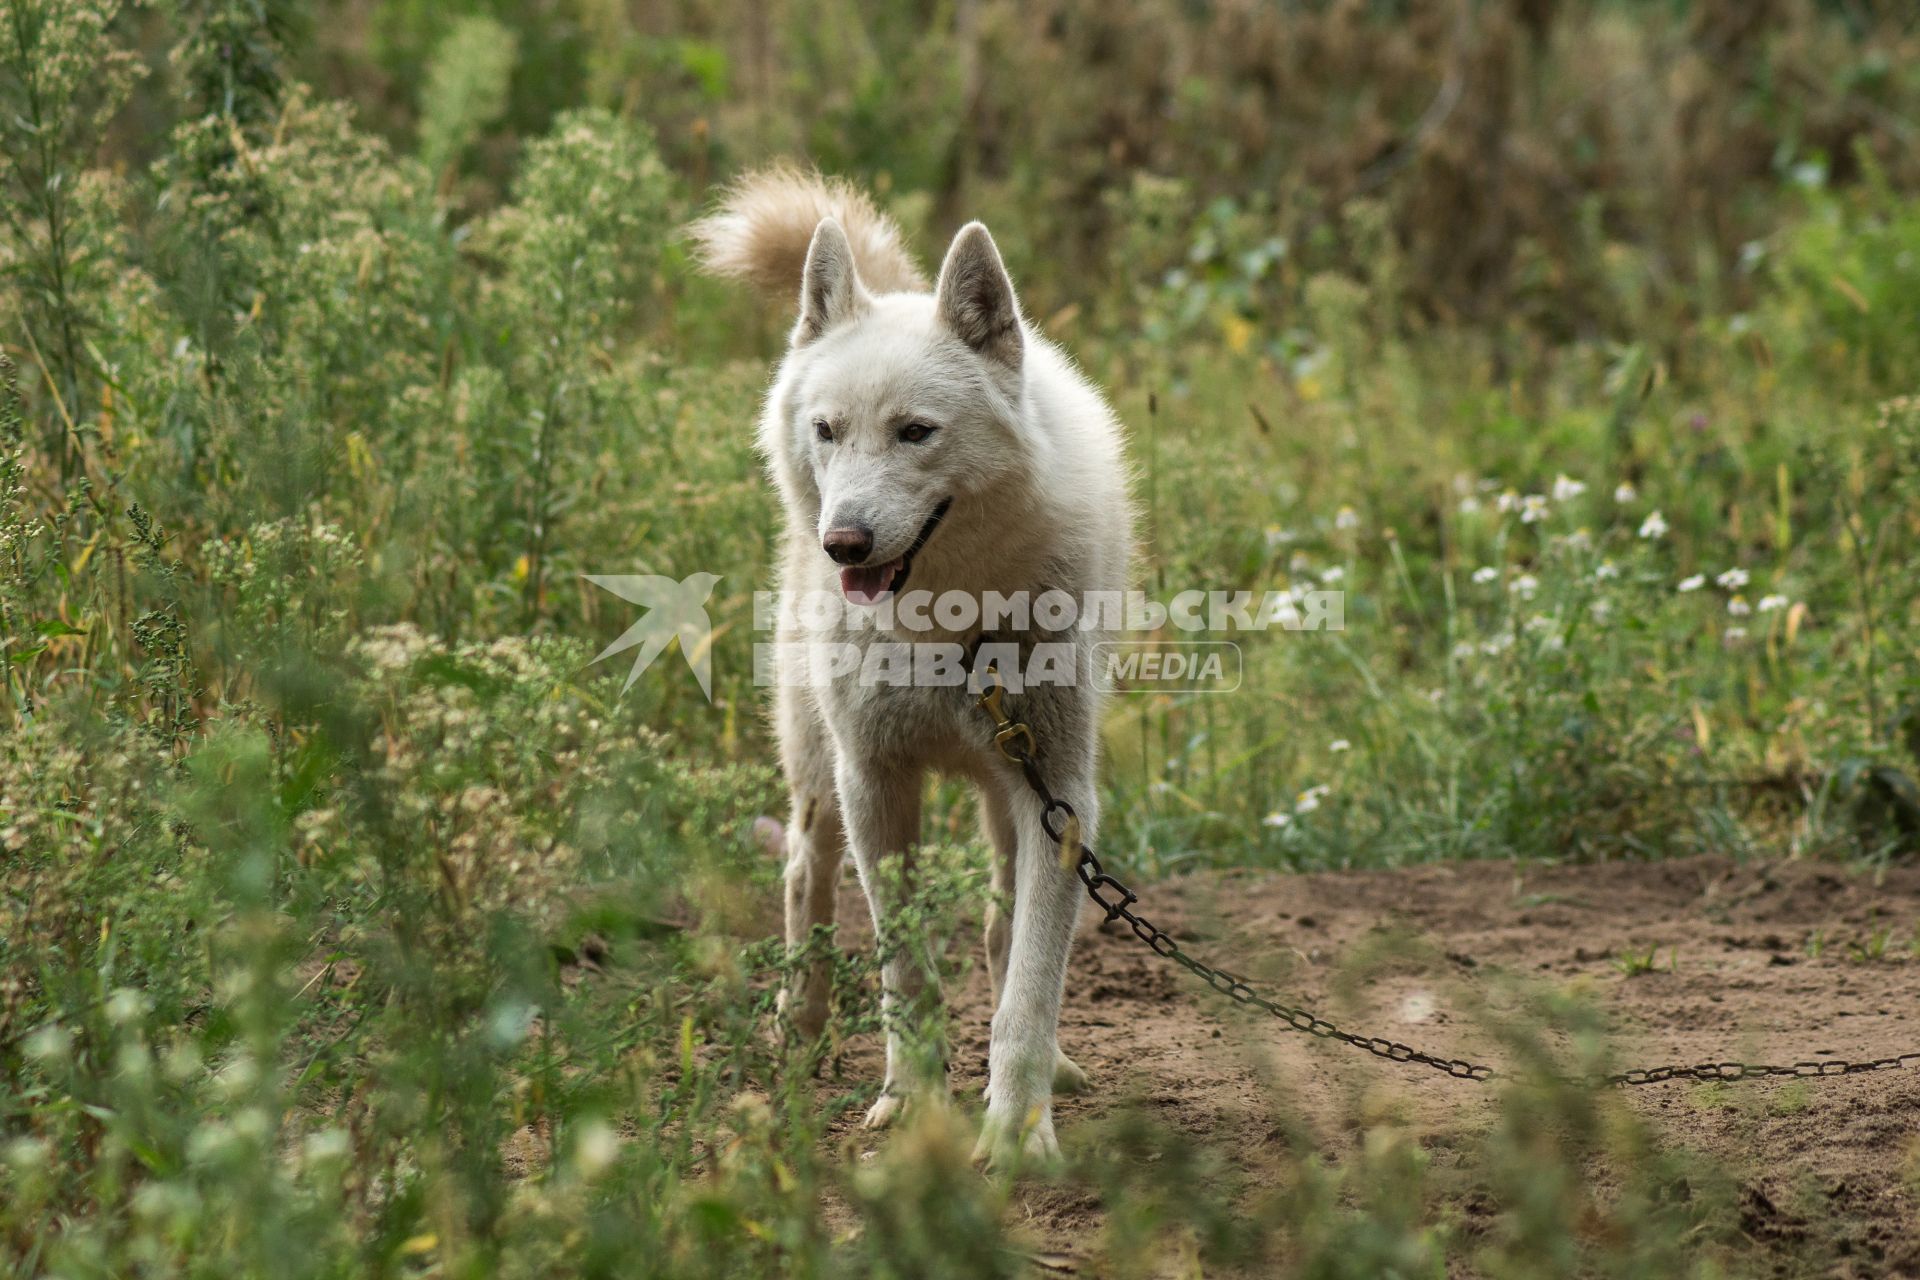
1768	962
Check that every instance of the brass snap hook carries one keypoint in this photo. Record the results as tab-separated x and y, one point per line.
1014	739
990	697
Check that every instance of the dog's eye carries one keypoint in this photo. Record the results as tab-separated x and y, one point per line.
915	432
823	429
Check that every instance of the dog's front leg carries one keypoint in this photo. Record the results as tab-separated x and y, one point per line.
881	806
1026	1026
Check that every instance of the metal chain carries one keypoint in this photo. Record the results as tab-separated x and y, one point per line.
1116	901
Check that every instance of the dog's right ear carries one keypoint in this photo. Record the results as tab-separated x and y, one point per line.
830	288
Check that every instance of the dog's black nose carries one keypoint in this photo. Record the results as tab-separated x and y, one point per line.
848	546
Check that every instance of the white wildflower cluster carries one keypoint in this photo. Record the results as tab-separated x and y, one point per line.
1566	489
1532	508
1731	581
1303	804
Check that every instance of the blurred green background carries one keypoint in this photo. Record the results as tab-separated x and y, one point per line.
354	924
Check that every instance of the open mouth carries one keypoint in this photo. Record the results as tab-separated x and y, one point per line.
872	583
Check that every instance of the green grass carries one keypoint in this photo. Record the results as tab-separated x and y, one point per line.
314	811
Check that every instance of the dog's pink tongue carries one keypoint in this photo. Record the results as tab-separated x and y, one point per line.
868	583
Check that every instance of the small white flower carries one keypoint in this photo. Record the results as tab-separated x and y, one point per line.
1485	573
596	1147
1733	579
1507	501
1469	505
1463	651
27	1154
1624	492
328	1145
125	1005
1309	800
1539	622
1734	635
1601	610
1606	569
1654	526
1346	518
1565	488
1580	540
1533	509
48	1044
1769	603
1332	575
1276	819
1694	583
1299	563
1499	644
1436	696
1339	744
1524	586
1739	607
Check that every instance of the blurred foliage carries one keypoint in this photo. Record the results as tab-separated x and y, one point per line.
353	923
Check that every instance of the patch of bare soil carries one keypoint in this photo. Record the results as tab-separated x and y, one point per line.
1770	962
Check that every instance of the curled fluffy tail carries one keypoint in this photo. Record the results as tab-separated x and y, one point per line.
761	230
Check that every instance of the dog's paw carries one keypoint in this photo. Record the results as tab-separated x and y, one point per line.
1022	1143
882	1112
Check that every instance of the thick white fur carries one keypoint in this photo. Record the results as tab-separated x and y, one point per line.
1031	457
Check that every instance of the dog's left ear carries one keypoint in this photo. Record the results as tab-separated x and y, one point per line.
975	297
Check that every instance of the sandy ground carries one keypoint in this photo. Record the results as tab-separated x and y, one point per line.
1771	962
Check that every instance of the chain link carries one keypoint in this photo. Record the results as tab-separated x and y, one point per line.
1116	901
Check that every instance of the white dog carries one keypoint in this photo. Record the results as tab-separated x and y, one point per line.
935	434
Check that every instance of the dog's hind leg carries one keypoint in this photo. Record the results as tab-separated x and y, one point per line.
996	819
816	842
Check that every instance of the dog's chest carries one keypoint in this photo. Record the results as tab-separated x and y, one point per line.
926	725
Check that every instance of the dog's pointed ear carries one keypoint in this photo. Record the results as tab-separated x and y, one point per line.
830	288
975	297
